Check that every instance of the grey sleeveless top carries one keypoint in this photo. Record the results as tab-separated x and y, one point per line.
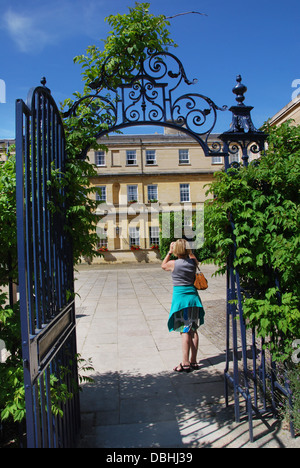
184	272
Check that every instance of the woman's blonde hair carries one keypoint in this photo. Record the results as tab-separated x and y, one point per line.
181	247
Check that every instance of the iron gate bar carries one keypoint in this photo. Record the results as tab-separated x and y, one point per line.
45	272
236	312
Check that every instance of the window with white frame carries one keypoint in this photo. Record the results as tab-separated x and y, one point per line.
154	235
102	234
100	158
184	156
134	236
101	193
131	157
150	157
184	193
132	193
217	160
152	193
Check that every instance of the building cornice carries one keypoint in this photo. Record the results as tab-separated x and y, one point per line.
154	138
156	174
290	107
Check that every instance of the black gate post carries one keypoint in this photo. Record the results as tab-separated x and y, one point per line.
46	283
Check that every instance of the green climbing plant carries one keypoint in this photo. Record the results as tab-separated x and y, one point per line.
263	202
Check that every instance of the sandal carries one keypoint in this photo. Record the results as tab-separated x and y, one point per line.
194	366
181	368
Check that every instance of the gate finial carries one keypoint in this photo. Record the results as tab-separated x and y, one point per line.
43	82
242	135
239	90
241	114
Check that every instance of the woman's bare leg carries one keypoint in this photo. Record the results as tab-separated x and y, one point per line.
186	346
189	343
194	345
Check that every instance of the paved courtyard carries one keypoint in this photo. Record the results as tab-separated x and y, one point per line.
136	399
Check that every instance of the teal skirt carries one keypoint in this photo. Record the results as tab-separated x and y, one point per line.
187	311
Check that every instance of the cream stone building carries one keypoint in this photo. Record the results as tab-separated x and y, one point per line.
4	146
141	176
290	111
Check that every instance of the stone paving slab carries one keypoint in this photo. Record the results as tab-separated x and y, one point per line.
136	399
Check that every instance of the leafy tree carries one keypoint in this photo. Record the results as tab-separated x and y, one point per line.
263	203
8	229
132	34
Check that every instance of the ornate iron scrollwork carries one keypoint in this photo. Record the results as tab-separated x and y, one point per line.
151	96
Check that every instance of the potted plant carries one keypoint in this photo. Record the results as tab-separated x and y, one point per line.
102	249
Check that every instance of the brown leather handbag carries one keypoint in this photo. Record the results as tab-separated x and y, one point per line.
200	280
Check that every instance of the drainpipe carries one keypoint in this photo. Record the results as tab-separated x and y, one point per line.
143	191
142	167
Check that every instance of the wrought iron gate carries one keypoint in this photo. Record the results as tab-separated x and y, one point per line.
45	252
249	370
46	282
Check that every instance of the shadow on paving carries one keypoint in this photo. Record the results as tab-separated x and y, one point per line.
127	409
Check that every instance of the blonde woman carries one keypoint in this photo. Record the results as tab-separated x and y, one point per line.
187	313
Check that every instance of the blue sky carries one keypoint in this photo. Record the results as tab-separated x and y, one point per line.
257	39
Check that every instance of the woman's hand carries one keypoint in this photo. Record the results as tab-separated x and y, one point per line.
167	264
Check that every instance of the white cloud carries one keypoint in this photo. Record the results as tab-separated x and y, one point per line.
34	28
26	33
